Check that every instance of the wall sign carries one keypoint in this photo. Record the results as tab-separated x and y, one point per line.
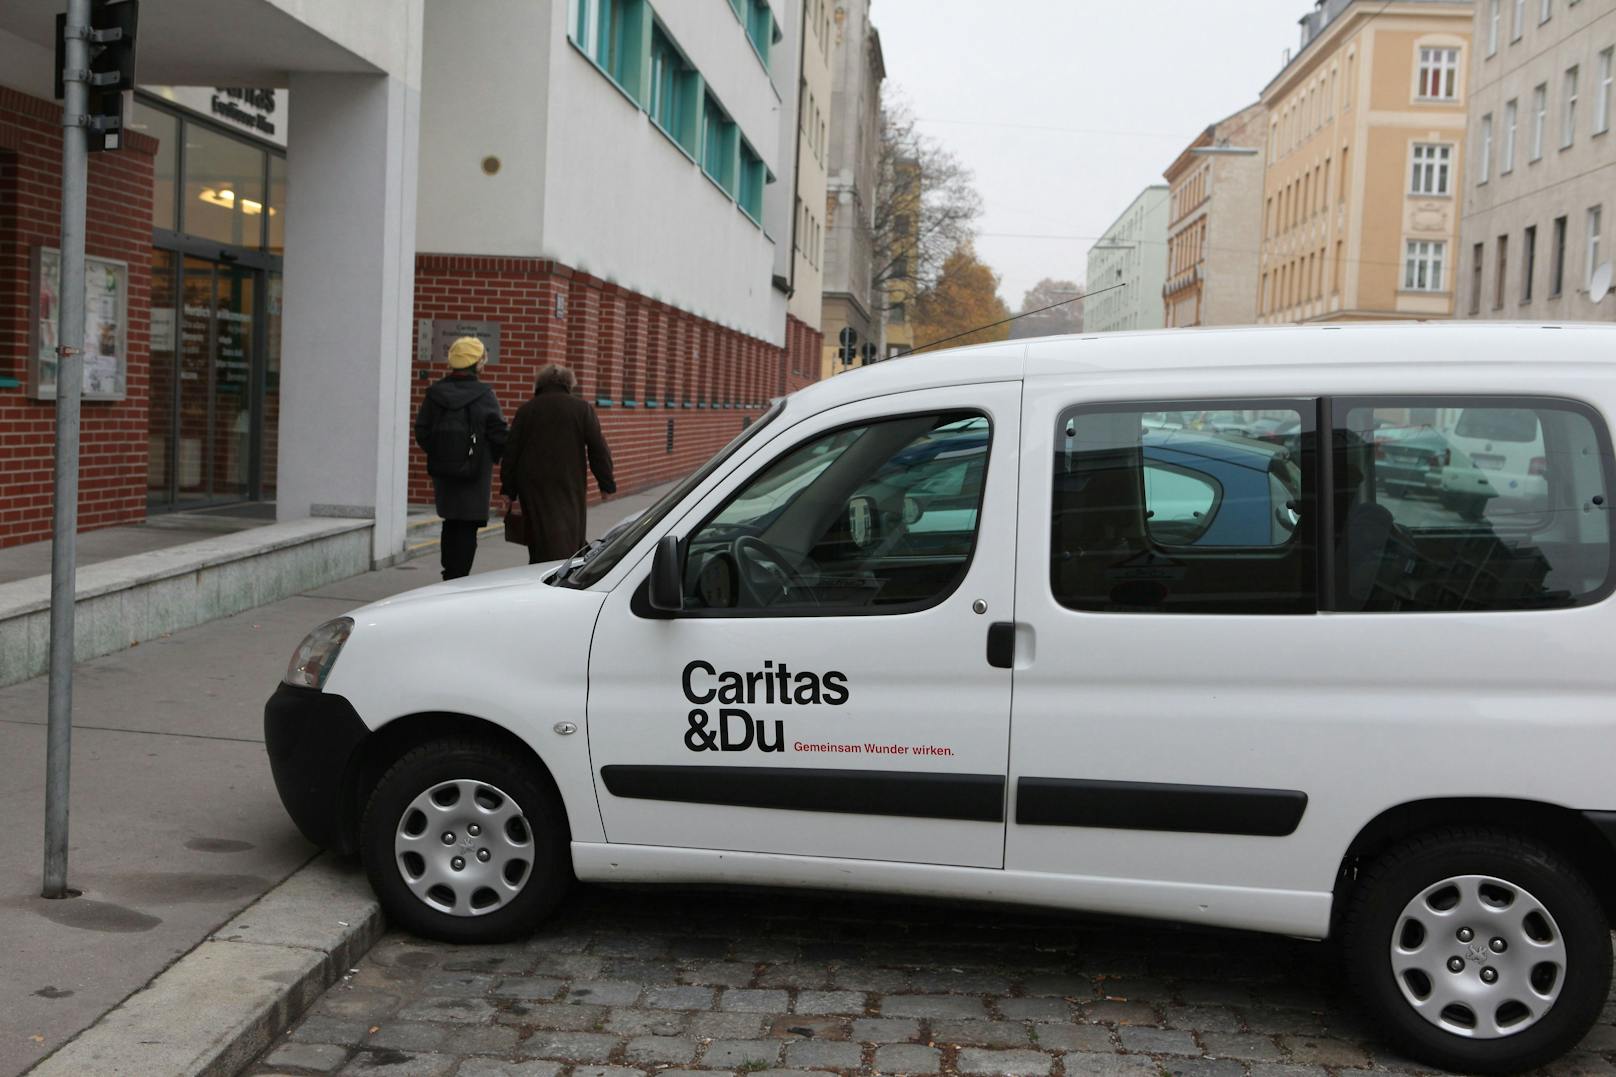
434	335
106	306
256	111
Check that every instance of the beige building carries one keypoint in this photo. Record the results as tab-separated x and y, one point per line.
813	169
1542	181
1366	128
1215	197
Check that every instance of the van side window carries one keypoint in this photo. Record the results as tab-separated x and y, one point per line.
1185	508
1470	504
879	517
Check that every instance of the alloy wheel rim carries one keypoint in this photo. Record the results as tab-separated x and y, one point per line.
464	848
1478	956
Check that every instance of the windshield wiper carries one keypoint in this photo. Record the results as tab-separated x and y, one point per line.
576	561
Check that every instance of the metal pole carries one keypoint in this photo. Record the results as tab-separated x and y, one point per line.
69	381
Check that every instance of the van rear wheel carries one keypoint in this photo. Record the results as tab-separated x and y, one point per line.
463	843
1479	950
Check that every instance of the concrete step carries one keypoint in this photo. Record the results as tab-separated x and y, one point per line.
128	600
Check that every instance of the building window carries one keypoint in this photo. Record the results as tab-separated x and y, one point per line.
1503	273
1431	168
1439	74
1484	169
1506	159
1422	265
1478	259
1595	222
611	32
753	178
760	28
1518	27
1602	104
1528	261
719	144
1557	259
1540	118
675	92
1545	8
1494	19
1568	112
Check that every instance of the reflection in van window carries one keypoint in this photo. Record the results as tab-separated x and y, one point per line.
1455	505
1184	508
877	516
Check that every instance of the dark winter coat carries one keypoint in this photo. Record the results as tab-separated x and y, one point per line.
552	437
464	499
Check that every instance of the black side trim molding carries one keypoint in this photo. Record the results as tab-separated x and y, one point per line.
1197	809
972	797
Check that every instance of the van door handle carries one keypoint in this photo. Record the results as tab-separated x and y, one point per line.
1002	644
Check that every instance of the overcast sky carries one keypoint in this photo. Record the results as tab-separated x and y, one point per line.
1129	82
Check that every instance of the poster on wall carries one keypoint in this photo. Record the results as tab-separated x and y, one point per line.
106	305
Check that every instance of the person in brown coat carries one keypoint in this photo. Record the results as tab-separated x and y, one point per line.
552	437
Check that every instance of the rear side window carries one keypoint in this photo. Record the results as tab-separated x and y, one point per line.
1189	507
1470	504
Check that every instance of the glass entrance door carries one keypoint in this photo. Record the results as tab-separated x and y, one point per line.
204	435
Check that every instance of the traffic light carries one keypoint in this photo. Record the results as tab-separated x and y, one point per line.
849	351
111	76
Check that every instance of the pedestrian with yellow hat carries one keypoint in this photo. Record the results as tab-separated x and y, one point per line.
462	432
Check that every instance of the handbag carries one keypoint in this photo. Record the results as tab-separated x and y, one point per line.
515	524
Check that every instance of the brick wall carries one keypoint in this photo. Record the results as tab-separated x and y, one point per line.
671	388
113	450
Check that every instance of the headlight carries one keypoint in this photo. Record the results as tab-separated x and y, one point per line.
312	661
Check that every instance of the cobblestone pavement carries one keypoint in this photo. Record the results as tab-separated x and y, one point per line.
658	981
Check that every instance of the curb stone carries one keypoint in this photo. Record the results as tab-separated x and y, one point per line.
217	1008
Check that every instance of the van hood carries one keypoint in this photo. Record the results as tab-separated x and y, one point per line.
504	579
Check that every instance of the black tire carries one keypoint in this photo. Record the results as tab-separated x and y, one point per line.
422	768
1398	876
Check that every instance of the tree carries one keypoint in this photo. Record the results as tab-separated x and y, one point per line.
1067	318
925	208
964	298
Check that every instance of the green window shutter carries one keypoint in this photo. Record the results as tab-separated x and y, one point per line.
753	178
760	28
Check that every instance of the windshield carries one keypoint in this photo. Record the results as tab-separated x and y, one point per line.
604	557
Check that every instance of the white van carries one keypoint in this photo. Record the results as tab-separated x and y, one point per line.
978	624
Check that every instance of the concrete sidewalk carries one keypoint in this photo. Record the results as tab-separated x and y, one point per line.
175	823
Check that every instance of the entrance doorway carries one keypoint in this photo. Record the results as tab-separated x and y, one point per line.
219	226
215	345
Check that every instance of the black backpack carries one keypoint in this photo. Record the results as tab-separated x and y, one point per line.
453	452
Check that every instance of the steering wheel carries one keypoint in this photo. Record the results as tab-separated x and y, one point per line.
765	576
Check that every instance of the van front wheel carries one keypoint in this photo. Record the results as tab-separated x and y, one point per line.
1479	950
462	842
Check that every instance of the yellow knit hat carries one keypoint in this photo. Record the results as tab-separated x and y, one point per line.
466	352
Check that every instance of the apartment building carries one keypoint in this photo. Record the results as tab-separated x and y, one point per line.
1127	267
857	70
1215	194
635	225
1365	151
1542	182
804	310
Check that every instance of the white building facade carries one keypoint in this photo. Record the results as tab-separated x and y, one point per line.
1127	268
1541	195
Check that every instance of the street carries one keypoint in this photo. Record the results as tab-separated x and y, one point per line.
635	981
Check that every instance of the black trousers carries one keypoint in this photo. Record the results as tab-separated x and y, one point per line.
459	547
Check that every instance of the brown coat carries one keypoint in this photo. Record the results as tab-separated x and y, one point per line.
551	439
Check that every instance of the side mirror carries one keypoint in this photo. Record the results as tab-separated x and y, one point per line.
913	510
863	521
667	590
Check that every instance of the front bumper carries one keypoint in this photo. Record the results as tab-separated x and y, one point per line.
311	737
